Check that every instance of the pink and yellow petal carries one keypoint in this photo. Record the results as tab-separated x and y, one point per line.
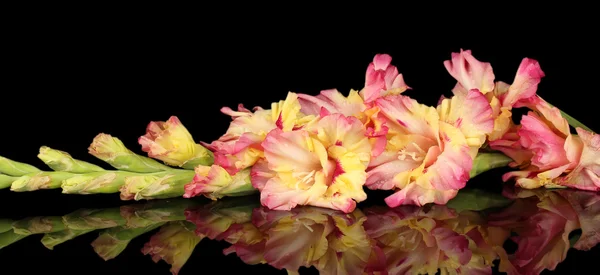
510	145
525	84
291	151
406	116
417	195
546	145
169	141
333	101
450	171
382	79
472	114
342	135
586	175
470	72
285	112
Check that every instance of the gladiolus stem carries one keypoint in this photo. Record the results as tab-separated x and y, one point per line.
487	161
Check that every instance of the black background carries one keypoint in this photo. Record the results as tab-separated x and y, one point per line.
65	81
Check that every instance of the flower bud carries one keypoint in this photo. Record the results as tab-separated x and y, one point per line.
135	184
15	168
172	143
40	180
62	161
167	186
113	151
96	183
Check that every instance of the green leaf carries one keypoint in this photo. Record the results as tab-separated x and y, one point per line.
477	200
486	161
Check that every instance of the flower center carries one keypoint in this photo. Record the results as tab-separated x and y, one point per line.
415	152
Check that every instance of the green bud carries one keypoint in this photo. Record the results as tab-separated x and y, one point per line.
40	180
6	181
113	151
38	225
113	241
9	237
168	186
14	168
487	161
94	219
106	182
62	161
50	240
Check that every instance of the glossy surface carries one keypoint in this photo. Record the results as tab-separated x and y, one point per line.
478	232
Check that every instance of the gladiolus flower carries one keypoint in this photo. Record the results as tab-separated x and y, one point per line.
473	74
240	147
426	159
323	165
557	156
171	142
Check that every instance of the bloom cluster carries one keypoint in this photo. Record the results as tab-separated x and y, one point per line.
321	150
324	150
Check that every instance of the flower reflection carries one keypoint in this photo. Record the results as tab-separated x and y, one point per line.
422	241
469	235
543	221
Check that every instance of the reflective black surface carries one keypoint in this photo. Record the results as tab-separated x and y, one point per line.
478	232
67	82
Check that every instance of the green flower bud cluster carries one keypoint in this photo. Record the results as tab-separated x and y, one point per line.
136	177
